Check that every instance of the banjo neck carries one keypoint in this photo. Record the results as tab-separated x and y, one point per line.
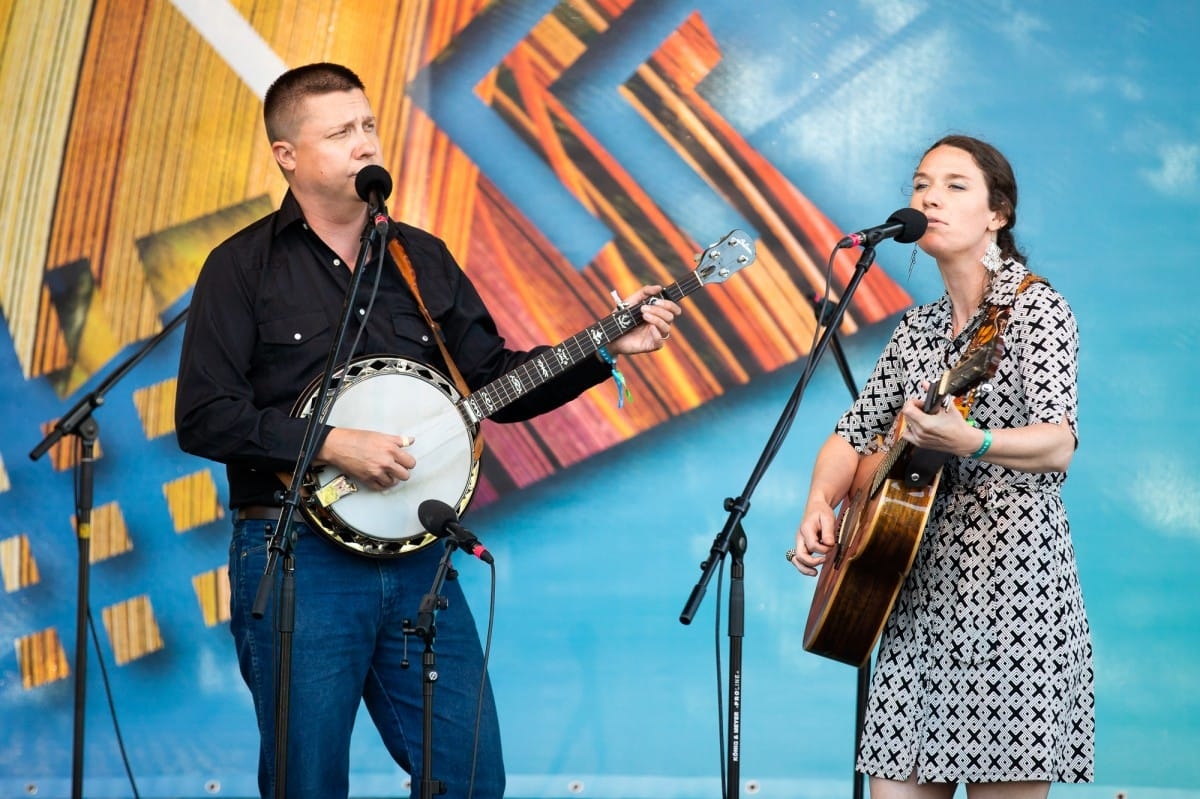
715	267
511	386
446	420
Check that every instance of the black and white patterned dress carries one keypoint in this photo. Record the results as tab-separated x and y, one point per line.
984	670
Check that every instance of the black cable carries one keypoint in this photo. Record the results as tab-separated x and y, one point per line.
112	708
487	654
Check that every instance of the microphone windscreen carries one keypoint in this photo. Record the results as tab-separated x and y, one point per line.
436	515
914	223
373	177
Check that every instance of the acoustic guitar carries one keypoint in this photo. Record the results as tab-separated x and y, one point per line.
881	523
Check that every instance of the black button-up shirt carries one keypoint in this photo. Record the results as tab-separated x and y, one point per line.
263	315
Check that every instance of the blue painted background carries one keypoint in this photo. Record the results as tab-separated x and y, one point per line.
601	689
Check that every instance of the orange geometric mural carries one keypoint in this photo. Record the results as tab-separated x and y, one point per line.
151	150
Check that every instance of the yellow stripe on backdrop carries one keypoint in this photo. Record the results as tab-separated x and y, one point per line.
39	70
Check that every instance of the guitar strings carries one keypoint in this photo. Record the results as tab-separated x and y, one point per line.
529	375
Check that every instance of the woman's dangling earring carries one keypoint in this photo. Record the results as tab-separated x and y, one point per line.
912	262
991	258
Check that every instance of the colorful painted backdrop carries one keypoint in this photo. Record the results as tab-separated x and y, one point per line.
565	149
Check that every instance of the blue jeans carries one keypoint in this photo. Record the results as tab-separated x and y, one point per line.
347	647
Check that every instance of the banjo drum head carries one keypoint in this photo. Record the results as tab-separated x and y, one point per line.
399	397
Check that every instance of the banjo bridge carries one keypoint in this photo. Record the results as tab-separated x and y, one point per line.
335	489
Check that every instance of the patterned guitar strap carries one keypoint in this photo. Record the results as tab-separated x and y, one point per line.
410	277
992	325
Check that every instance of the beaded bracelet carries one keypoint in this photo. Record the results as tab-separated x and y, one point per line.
623	392
984	447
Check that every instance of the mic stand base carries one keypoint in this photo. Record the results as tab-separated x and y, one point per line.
732	536
87	432
426	630
737	620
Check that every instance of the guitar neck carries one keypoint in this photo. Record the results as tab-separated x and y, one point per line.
511	386
883	470
920	465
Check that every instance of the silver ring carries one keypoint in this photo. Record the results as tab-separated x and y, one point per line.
791	553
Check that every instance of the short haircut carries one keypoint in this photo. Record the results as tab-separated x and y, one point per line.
292	87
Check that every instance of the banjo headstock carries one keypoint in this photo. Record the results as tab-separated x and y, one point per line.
732	253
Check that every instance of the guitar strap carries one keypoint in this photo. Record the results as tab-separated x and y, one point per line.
993	324
996	316
410	277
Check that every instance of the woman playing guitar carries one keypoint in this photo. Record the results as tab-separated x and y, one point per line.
984	668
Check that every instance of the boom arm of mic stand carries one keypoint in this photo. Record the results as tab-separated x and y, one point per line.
79	422
70	421
738	507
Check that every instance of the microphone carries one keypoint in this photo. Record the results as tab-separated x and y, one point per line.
374	185
906	226
440	519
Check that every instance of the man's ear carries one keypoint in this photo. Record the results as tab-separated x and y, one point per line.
285	155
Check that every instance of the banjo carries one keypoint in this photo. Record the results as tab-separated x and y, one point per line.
404	397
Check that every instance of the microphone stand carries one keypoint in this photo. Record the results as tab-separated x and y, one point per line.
78	421
281	545
863	684
731	541
426	630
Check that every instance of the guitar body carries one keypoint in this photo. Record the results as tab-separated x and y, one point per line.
883	517
878	536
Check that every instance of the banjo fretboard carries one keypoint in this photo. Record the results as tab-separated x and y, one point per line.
715	266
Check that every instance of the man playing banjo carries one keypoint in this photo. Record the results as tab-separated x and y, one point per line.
262	320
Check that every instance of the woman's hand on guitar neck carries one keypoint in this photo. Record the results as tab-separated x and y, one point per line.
376	460
943	431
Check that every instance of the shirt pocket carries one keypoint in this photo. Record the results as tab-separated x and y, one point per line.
293	330
414	338
284	338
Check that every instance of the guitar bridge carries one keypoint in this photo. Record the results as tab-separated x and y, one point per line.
335	489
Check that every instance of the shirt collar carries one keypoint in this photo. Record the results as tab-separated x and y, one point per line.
1006	281
289	214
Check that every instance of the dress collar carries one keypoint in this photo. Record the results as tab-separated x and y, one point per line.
1006	281
1003	291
